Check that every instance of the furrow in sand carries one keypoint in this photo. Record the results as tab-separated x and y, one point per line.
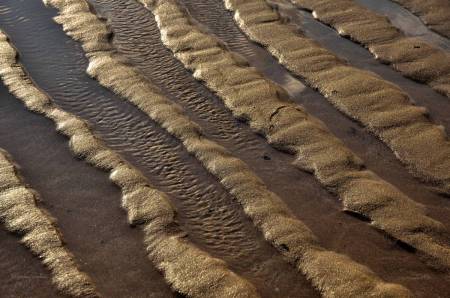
406	21
186	268
380	106
84	202
437	104
211	217
434	13
136	36
214	18
288	127
413	57
22	274
20	213
332	273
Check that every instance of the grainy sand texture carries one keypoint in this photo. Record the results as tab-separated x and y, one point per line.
292	238
249	95
187	269
434	13
413	57
224	148
379	105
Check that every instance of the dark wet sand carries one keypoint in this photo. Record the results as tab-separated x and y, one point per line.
213	219
207	212
22	274
405	20
85	203
135	38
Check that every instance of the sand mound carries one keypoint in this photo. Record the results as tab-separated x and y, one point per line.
377	104
21	214
187	269
249	95
267	211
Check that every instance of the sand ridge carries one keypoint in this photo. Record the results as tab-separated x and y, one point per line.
187	269
377	104
434	13
20	212
287	126
412	57
289	235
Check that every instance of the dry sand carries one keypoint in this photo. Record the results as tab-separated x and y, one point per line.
268	213
291	129
434	13
413	57
379	105
187	269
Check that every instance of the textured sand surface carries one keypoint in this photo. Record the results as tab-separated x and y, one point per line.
382	107
189	270
434	13
20	213
211	217
268	212
413	57
229	173
297	132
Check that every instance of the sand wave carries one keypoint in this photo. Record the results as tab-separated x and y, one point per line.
187	269
434	13
287	126
381	106
21	214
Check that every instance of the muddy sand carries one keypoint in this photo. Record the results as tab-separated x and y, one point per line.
167	154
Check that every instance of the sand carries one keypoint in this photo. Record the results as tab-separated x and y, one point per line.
288	127
187	269
20	213
377	104
192	175
412	57
434	13
268	212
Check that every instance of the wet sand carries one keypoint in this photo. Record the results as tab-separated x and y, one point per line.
84	202
21	273
58	67
201	201
406	21
434	13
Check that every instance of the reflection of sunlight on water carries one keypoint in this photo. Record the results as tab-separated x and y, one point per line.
22	19
4	9
293	86
403	19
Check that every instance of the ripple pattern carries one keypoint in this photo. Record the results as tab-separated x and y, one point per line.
207	212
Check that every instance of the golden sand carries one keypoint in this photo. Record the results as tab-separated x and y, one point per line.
434	13
413	57
333	274
288	127
379	105
189	270
21	214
